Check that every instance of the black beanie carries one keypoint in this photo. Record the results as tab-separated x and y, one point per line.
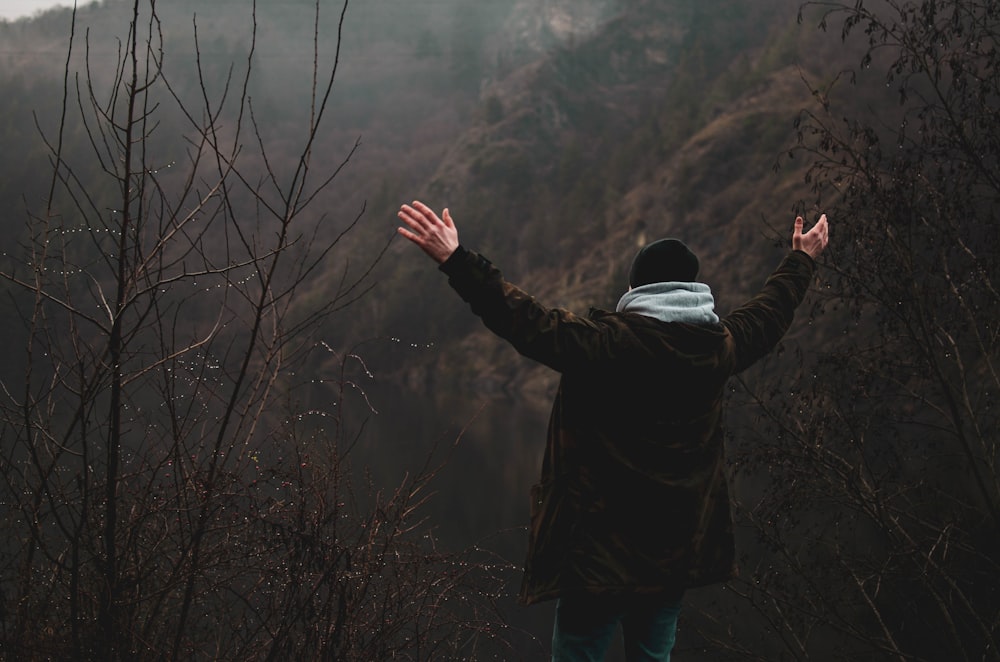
662	261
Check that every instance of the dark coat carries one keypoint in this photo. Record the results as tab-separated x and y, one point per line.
633	494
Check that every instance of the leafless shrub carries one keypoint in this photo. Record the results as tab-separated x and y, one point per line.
164	495
879	515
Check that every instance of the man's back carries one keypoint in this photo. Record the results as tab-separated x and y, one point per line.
632	507
633	495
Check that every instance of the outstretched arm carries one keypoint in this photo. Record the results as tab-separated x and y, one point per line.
436	236
555	337
758	325
813	242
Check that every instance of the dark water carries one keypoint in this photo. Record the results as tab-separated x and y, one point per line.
493	449
482	493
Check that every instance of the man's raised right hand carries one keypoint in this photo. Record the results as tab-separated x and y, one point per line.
813	242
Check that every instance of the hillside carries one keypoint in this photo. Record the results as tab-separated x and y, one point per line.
667	120
202	334
561	134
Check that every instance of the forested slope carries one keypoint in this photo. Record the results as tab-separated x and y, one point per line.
562	135
669	120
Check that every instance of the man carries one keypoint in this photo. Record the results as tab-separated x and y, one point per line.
632	508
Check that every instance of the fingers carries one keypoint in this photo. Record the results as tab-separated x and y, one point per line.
821	229
422	209
436	237
410	217
815	240
419	216
427	212
416	215
422	222
409	235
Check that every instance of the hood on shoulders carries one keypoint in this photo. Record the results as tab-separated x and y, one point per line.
674	301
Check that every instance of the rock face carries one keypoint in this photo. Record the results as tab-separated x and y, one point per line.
629	121
557	21
536	26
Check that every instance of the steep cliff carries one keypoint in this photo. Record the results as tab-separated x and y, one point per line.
668	118
562	134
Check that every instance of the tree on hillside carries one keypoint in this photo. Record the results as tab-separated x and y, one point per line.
175	450
881	515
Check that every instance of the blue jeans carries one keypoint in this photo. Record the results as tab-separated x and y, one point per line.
585	626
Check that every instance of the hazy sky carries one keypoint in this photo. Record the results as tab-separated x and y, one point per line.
12	9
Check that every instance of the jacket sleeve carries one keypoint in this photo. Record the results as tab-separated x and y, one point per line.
555	337
758	325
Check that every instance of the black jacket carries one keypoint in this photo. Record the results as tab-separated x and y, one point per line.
633	495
